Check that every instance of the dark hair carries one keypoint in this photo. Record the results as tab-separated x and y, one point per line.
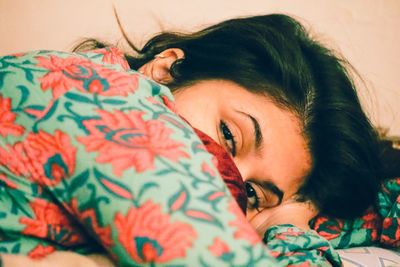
274	55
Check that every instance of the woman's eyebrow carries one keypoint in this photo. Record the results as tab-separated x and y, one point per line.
258	137
257	132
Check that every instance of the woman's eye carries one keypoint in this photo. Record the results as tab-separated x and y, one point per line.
252	197
229	138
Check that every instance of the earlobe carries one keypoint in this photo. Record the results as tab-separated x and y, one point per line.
159	68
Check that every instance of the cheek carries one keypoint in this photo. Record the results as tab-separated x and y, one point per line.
250	214
210	129
259	220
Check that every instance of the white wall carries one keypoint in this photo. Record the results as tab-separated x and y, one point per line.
366	32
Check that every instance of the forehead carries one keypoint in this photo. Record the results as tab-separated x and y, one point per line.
285	158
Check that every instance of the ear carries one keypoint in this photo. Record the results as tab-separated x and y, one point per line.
159	68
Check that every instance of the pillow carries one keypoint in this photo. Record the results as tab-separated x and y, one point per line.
369	257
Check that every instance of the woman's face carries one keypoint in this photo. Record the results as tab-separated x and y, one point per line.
265	141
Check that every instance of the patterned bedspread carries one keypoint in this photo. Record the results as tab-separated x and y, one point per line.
379	226
94	159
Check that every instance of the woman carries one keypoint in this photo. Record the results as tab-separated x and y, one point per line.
280	103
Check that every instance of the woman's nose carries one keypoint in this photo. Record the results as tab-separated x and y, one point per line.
244	169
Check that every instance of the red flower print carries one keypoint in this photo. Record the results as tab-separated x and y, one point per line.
243	228
50	222
289	232
371	219
335	228
319	221
4	180
169	103
41	251
61	72
149	236
280	236
373	222
126	140
113	55
391	232
89	217
153	100
205	168
43	158
111	83
84	75
275	253
218	248
328	228
7	119
387	222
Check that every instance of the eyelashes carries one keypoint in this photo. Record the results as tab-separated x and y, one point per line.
259	198
228	137
252	196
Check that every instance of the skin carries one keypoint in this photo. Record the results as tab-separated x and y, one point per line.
273	167
228	113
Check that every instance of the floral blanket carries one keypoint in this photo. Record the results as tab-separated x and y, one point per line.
94	159
379	226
